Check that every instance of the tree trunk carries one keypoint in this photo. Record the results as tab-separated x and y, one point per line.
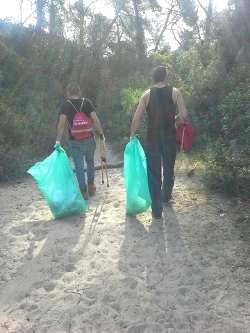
52	20
209	14
139	32
162	32
39	14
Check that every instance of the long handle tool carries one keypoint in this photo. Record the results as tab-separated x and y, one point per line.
103	162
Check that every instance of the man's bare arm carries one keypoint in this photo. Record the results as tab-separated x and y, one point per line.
179	101
61	126
96	122
139	111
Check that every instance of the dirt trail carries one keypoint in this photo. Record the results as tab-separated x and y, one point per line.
108	272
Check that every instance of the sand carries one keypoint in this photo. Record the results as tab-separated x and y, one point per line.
111	273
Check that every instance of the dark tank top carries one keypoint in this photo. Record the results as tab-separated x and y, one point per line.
161	113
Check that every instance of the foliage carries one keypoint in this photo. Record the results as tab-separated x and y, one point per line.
188	11
228	156
201	86
129	100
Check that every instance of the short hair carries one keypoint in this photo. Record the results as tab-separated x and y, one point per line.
73	89
159	74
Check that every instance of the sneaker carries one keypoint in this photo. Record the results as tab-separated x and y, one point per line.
91	189
85	195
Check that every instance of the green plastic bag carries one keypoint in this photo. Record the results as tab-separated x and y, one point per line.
138	199
57	182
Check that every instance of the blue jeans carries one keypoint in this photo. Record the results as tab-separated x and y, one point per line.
81	149
158	151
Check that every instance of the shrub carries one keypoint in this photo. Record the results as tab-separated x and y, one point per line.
228	156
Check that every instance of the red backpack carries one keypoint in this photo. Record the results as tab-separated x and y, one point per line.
81	126
184	135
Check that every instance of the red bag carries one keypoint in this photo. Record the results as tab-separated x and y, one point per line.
81	127
184	135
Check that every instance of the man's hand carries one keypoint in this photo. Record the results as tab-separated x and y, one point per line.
58	146
102	138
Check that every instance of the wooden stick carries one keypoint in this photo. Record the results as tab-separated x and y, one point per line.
104	162
101	160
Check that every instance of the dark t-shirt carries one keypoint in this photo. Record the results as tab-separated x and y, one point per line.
67	109
161	113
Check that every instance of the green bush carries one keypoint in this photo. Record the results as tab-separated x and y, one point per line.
228	156
26	136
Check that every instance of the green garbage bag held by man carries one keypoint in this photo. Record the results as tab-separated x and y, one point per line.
57	182
138	199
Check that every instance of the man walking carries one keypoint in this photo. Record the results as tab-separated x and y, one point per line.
83	148
160	103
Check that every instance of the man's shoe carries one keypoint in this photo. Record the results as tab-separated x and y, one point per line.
166	201
158	217
85	195
91	189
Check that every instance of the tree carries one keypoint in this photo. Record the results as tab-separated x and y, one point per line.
56	16
130	15
209	17
171	17
39	14
22	20
139	31
52	21
233	31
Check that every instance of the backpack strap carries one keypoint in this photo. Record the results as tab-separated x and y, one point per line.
75	107
81	105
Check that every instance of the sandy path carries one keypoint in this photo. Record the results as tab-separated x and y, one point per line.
109	272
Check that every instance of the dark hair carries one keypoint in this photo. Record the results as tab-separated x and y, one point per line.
159	74
73	89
